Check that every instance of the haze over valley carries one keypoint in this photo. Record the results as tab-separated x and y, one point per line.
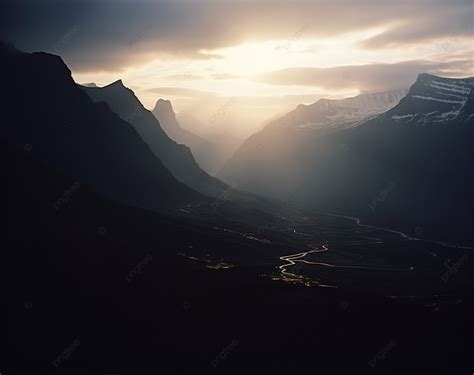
236	186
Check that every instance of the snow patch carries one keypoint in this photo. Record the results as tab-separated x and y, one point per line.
398	117
452	88
439	100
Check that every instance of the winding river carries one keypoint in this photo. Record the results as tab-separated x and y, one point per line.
292	259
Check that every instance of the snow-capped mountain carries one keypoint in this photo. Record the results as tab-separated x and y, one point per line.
433	100
327	113
420	151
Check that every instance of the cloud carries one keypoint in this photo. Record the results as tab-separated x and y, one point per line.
454	23
366	78
110	36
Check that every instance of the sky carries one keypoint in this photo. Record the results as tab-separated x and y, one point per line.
247	60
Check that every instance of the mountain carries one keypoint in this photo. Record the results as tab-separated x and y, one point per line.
46	114
333	114
408	167
423	147
203	150
80	265
90	84
435	101
176	157
272	161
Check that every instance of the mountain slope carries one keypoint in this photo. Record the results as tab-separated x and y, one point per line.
427	155
434	100
273	161
392	169
47	113
203	150
68	281
176	157
333	114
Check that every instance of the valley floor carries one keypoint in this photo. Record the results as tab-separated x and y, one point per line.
171	294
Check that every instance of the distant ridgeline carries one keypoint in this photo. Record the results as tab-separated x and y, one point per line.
340	155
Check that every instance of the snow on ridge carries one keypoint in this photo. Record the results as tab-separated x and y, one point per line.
400	117
438	100
459	85
454	94
447	94
451	114
365	102
332	114
433	117
448	87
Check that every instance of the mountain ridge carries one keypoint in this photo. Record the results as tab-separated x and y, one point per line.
178	158
342	168
339	112
433	99
68	132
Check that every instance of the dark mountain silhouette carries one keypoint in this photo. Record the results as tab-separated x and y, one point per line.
203	150
409	167
47	113
176	157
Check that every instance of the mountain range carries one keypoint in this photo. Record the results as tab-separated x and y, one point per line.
178	158
123	257
47	114
396	160
401	159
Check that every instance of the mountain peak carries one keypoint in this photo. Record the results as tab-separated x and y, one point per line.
433	99
117	83
335	113
426	77
89	84
118	88
164	106
164	112
129	103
